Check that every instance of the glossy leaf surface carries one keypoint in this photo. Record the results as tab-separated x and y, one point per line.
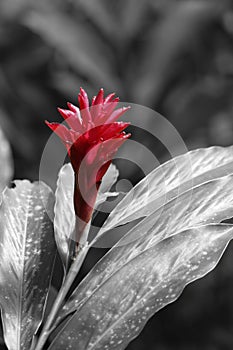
170	180
209	203
27	251
108	181
117	310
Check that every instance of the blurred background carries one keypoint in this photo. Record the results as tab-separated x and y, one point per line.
174	56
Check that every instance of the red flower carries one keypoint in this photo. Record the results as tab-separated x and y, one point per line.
92	139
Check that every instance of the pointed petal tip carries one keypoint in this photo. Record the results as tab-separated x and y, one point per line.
60	110
65	113
123	124
101	92
83	93
109	98
50	125
83	99
72	107
93	100
99	97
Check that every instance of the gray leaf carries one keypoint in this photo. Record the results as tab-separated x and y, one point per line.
115	313
64	220
109	179
27	250
209	203
168	181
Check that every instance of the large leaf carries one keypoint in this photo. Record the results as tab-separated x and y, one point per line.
6	163
27	251
209	203
168	181
64	221
118	309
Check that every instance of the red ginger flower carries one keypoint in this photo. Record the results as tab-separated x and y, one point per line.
92	139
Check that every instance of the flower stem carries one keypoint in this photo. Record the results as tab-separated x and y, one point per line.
73	271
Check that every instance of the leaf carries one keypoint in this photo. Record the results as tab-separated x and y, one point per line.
115	313
64	220
52	294
170	180
6	162
210	203
27	250
109	179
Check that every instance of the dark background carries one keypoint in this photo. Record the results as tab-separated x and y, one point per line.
175	57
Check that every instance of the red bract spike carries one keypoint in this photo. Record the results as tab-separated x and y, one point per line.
102	171
109	98
99	98
93	100
114	129
60	130
81	102
83	99
117	99
92	141
86	119
70	118
108	108
97	106
72	107
76	111
116	114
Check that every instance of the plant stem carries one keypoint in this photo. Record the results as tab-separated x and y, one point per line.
34	341
73	271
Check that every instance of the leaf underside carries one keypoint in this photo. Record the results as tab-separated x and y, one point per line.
64	219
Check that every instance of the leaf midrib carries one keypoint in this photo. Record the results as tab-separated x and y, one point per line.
150	292
191	180
147	294
20	297
150	246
